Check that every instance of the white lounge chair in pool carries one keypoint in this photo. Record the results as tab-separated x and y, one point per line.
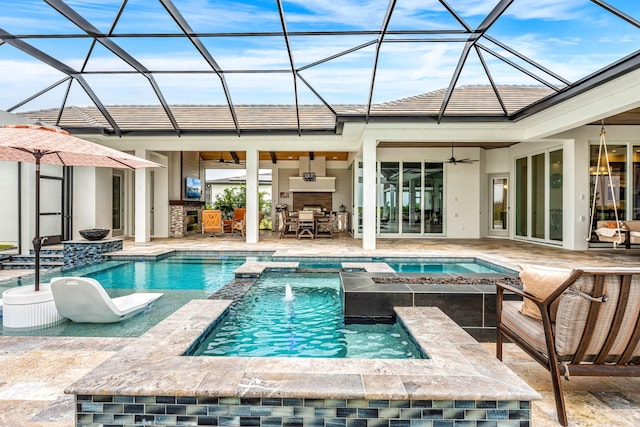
83	299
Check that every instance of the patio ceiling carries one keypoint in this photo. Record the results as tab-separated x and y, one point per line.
178	67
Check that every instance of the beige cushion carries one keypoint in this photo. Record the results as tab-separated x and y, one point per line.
632	225
541	281
574	308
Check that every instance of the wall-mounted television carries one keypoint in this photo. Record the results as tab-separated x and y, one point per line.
192	188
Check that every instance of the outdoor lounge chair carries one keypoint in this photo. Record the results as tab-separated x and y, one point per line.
238	216
212	221
593	329
83	299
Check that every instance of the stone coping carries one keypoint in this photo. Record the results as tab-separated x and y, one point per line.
458	367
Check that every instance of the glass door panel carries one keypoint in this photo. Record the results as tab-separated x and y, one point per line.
411	197
433	197
521	197
117	208
555	195
636	181
389	197
538	211
499	199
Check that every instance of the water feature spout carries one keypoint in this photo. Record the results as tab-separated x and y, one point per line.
288	294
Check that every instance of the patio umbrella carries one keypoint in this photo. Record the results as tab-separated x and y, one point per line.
46	144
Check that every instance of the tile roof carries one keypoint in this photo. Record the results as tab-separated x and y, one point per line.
472	101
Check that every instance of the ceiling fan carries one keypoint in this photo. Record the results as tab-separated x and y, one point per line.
454	161
235	161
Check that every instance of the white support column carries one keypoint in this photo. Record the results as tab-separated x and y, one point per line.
251	218
369	194
142	202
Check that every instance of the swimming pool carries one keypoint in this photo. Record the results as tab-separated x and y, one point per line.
181	277
300	315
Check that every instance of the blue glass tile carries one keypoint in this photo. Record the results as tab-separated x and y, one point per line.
347	412
325	412
313	422
154	409
254	401
102	418
367	413
379	403
250	421
304	411
145	399
356	422
421	404
421	423
91	407
432	414
186	400
399	423
176	409
123	399
315	403
399	403
272	422
261	411
240	411
292	422
497	414
162	399
335	403
113	408
144	419
219	410
335	422
378	422
509	404
486	404
166	419
229	421
523	414
389	412
410	413
444	403
187	420
453	414
123	418
196	410
291	401
475	414
104	399
465	404
207	400
229	400
207	420
271	401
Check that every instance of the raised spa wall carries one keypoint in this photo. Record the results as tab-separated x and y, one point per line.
151	382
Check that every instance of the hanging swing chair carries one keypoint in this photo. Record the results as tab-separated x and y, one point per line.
616	233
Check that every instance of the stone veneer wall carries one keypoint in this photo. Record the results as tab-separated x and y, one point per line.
178	220
79	253
106	410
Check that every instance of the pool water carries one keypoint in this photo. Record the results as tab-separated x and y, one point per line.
308	323
180	278
440	267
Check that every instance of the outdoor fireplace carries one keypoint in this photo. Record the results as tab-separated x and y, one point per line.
184	217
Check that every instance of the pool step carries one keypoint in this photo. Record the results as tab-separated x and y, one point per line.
48	259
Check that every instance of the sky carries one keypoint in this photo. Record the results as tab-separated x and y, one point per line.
569	38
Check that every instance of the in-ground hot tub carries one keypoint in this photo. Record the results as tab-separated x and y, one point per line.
150	381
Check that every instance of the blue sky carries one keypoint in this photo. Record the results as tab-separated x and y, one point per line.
572	38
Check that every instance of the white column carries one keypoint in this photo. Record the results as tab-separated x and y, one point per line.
142	202
369	194
251	218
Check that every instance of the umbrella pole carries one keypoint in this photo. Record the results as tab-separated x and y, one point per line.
37	241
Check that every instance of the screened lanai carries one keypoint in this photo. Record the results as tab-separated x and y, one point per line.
382	94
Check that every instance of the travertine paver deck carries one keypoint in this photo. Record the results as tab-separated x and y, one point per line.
29	364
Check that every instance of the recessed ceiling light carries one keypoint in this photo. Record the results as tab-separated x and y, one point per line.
290	157
335	157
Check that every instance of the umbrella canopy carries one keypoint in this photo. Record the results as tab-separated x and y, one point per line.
27	143
44	144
